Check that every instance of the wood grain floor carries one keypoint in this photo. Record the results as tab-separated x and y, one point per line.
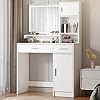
33	95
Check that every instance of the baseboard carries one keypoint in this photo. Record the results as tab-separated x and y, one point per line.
64	94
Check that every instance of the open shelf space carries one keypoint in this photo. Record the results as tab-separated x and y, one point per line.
69	24
65	38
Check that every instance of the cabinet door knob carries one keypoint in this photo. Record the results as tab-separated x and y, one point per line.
55	72
61	9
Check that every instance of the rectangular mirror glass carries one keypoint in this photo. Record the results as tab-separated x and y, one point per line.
43	19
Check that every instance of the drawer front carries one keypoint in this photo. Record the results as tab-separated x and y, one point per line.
87	84
63	48
40	49
24	48
91	75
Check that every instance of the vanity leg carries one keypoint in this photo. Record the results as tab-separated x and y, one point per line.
22	72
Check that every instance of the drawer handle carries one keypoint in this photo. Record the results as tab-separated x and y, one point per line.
35	48
63	49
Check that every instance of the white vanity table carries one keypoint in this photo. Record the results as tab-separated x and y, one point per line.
63	67
65	57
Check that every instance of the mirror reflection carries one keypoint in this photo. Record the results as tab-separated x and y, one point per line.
44	19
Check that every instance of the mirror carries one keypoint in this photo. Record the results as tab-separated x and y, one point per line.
43	19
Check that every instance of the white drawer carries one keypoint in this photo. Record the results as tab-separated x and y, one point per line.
91	74
87	84
64	48
40	49
24	48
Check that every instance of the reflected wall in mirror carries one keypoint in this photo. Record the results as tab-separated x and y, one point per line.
43	19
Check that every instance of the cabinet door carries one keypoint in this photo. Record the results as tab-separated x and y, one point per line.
69	8
64	72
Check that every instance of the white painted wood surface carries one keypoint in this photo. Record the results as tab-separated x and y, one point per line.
64	67
89	78
64	56
22	72
63	61
69	8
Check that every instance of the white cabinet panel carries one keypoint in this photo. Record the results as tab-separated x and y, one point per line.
22	72
91	74
69	8
89	84
89	78
64	67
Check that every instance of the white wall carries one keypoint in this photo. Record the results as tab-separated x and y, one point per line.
91	30
91	22
95	28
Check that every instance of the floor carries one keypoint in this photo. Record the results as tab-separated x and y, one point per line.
39	96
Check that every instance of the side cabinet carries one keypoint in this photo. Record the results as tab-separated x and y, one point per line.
89	78
64	71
